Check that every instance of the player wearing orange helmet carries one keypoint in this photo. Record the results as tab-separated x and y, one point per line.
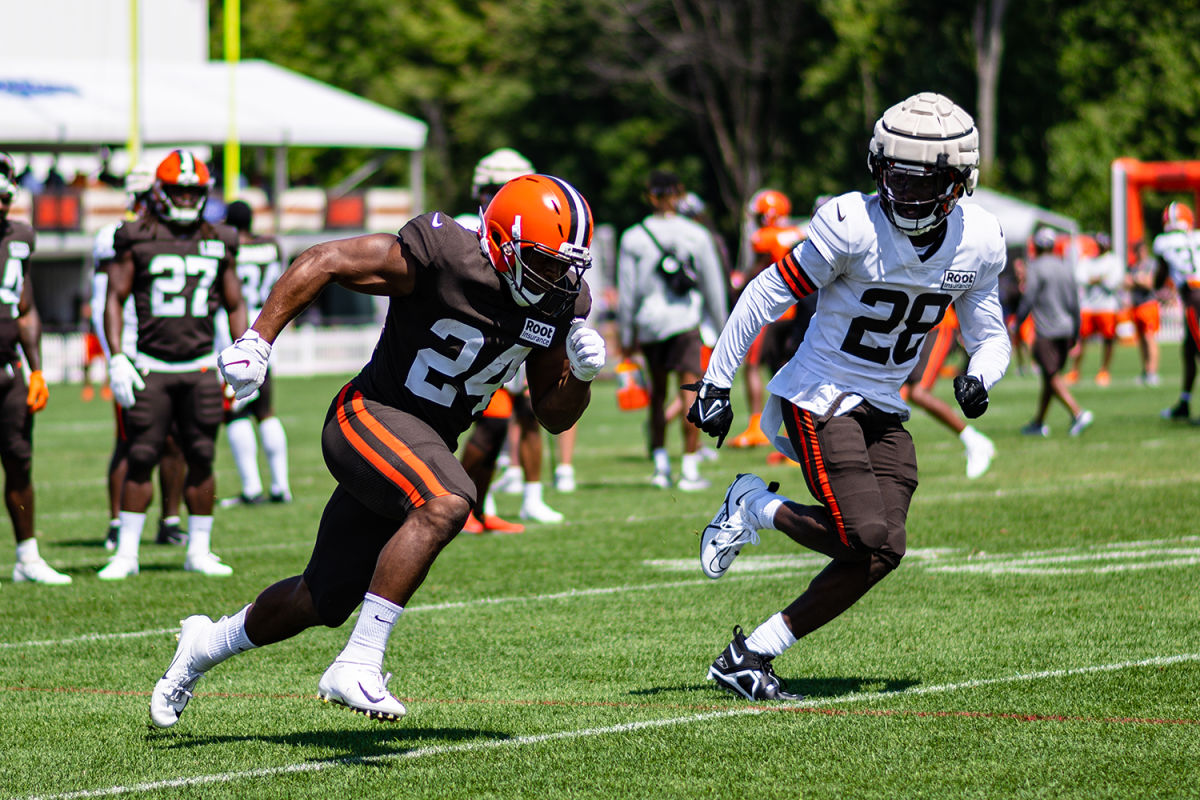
466	310
178	269
1178	250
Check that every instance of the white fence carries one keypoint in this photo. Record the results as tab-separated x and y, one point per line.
307	350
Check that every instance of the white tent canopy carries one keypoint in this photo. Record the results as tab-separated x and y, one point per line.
48	105
1018	218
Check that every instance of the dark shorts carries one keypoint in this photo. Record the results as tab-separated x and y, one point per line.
188	405
938	345
1050	354
680	353
1191	317
862	467
16	420
387	463
262	406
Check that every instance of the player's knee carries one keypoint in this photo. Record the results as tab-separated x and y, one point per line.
883	563
142	460
18	471
869	536
445	516
202	453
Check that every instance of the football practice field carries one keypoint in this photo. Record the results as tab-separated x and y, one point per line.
1040	639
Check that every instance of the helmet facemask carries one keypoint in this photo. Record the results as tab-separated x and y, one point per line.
181	204
542	278
8	181
917	197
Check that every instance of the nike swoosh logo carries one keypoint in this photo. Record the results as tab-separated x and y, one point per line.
235	363
737	660
841	216
437	219
367	694
381	619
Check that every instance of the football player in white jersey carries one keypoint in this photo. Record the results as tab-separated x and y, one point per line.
1178	248
885	268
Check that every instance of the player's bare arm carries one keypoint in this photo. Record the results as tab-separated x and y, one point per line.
29	327
559	398
376	264
120	286
232	299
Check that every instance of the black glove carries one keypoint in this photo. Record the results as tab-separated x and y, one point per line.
971	396
711	412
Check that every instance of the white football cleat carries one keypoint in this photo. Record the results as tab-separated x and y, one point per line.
207	564
980	452
728	532
538	511
174	688
511	481
39	572
661	480
118	569
564	478
362	689
693	484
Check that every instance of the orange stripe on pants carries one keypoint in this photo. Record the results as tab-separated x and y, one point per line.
356	441
819	476
398	447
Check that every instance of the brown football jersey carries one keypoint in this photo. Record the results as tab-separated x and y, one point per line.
259	265
459	336
176	285
16	246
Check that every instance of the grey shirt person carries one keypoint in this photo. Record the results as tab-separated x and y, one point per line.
646	310
1052	296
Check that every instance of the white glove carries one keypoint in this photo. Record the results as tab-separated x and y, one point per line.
244	364
585	351
236	405
123	379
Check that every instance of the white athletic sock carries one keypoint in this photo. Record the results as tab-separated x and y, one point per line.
226	639
662	461
691	466
772	638
199	535
129	540
758	509
514	475
27	551
533	492
172	520
969	435
489	505
274	442
245	455
370	637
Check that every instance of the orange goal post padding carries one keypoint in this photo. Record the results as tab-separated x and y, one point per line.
1130	178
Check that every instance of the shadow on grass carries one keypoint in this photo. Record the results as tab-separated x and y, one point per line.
811	688
381	740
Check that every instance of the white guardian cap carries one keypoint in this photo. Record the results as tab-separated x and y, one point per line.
498	168
924	156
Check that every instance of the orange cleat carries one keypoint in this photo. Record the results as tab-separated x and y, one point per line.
88	394
105	393
752	436
777	458
494	524
473	525
1103	378
1072	377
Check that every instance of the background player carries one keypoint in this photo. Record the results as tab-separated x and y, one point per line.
885	268
177	268
1141	283
259	265
1051	297
918	390
1179	252
1100	276
461	321
172	468
20	326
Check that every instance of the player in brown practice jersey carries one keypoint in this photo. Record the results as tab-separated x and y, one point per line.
19	325
466	310
178	269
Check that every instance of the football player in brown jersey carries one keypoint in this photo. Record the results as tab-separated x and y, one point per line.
178	268
466	309
19	325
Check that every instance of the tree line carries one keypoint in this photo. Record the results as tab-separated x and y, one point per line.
737	95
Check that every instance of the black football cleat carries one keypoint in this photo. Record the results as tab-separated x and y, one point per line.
743	672
170	533
1181	410
110	539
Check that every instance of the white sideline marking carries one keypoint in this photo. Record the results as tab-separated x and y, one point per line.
91	637
520	741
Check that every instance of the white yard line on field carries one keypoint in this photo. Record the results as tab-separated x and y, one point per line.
522	741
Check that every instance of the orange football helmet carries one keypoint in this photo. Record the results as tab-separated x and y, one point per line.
1177	217
769	206
537	232
181	185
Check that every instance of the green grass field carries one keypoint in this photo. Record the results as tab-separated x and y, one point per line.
1041	639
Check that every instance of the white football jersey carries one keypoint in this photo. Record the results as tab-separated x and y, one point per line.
1181	251
1100	280
877	300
